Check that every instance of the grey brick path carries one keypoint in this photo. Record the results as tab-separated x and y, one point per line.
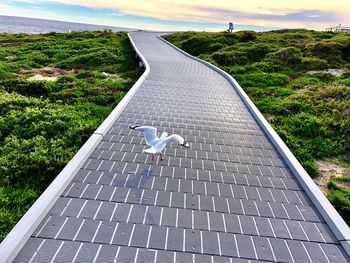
229	198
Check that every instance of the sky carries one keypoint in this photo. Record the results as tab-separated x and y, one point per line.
200	15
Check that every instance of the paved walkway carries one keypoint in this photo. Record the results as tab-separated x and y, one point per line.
229	198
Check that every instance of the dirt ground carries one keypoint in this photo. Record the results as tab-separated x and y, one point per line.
332	71
328	171
50	73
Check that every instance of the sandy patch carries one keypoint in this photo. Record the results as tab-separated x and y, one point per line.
49	73
116	77
332	71
41	77
10	57
11	44
328	171
269	116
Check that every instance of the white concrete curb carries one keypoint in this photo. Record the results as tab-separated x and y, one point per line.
330	215
15	240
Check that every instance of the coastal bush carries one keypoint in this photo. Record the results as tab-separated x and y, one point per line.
197	44
262	79
314	63
245	36
92	60
340	198
44	123
289	56
327	50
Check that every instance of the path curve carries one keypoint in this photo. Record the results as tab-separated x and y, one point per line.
229	198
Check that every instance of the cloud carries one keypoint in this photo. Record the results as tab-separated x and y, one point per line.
275	13
116	14
3	6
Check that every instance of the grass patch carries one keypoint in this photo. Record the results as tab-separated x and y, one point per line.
44	123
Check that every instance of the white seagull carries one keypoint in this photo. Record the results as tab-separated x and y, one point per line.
158	144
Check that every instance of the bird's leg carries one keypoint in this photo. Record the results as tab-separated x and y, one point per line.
162	156
152	157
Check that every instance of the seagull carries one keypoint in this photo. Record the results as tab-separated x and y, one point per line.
158	144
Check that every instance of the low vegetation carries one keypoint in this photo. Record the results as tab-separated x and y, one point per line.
44	120
287	75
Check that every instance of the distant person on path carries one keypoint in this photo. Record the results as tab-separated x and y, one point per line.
230	27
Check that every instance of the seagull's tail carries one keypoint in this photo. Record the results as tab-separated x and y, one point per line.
185	144
133	127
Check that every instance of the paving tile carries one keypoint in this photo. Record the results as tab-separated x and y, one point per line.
216	222
315	252
185	218
140	236
29	249
245	246
210	243
70	228
298	251
126	254
249	207
68	251
175	239
87	252
312	232
248	225
52	227
263	249
165	256
157	237
264	226
145	255
228	244
192	241
279	228
335	253
122	234
121	212
202	258
87	230
106	210
90	209
105	232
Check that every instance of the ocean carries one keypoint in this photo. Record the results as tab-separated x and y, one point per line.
13	24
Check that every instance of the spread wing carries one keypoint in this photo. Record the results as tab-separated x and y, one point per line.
174	138
160	145
149	132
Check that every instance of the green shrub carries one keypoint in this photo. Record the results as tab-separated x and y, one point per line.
314	63
262	79
340	199
197	45
289	56
327	50
91	60
226	58
303	82
245	36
